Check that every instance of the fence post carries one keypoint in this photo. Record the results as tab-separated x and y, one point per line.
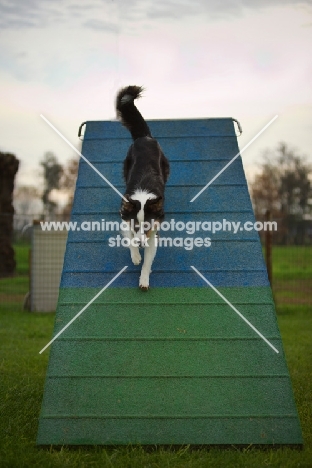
268	248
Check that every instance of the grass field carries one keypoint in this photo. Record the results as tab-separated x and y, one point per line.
292	274
22	336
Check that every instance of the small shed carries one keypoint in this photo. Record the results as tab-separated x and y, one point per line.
47	256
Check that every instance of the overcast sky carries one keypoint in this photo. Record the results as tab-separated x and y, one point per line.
66	59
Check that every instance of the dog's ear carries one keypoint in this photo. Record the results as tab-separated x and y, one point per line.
155	204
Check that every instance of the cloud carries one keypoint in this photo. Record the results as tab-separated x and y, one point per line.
196	59
101	25
17	14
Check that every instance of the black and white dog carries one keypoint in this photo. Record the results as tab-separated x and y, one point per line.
146	170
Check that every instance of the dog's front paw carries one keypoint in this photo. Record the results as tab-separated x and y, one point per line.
144	282
136	257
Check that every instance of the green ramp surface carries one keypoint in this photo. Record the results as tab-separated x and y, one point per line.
188	362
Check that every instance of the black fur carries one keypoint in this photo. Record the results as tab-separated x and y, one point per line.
145	167
128	113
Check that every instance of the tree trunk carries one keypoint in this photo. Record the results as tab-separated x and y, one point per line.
8	168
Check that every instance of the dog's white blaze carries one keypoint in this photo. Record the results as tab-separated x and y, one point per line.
142	196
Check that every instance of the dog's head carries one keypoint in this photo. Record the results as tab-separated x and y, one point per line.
142	211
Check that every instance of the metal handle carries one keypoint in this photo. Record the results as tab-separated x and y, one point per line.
238	126
80	129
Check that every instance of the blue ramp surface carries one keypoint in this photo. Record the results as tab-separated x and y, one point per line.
177	364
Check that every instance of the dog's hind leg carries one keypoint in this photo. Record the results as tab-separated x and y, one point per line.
149	255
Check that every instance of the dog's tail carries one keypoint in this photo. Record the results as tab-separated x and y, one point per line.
128	113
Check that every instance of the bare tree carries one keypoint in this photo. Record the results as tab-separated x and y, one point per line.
295	187
265	190
68	183
26	199
284	187
52	173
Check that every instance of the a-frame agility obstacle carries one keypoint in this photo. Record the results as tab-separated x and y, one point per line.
177	364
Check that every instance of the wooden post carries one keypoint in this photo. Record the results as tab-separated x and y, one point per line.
268	248
8	168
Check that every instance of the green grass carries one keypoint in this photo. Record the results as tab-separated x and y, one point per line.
22	258
292	262
13	290
23	335
292	274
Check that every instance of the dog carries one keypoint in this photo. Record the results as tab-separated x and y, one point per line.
145	170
